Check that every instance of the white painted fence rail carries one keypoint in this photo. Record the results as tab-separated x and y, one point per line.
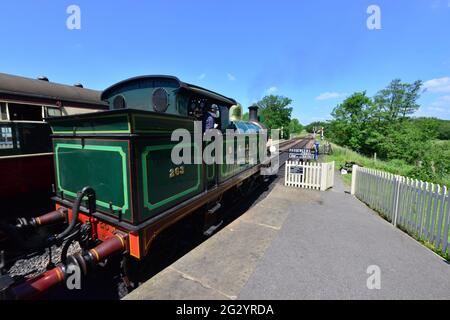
309	175
420	208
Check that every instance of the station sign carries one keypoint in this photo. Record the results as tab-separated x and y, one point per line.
296	170
301	154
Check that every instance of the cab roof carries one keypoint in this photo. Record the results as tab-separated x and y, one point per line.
181	85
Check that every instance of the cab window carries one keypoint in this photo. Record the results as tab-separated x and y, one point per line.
224	117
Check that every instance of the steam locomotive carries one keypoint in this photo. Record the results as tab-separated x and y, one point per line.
116	187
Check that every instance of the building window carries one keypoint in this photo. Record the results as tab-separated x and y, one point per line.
6	140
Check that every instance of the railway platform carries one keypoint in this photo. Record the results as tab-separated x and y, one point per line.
303	244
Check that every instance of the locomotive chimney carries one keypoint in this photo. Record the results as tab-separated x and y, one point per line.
43	78
253	116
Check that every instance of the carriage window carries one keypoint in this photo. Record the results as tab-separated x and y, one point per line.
53	112
23	112
3	113
119	103
6	141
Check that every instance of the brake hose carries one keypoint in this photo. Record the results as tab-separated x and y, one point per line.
87	191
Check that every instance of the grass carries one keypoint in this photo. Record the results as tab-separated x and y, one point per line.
343	155
417	237
347	179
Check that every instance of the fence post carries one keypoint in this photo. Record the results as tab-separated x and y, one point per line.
396	200
323	176
446	225
286	168
333	165
354	172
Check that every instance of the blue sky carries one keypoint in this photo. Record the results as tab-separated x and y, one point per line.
313	51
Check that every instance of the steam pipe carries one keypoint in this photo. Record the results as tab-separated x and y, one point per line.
53	217
32	288
107	248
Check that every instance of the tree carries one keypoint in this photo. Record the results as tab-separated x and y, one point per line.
295	126
431	126
275	111
398	100
316	125
444	130
349	127
384	125
404	140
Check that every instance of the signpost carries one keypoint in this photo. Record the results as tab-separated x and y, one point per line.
296	170
305	154
301	154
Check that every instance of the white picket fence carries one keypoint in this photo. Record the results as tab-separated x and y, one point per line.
309	175
420	208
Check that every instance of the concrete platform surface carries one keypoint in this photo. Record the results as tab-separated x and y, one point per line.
303	244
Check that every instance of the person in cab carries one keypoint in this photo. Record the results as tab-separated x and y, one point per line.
209	120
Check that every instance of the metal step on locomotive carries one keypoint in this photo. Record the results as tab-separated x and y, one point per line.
116	188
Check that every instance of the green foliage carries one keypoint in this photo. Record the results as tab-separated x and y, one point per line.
398	100
275	111
317	125
435	163
295	126
350	121
404	140
342	155
383	125
245	116
444	130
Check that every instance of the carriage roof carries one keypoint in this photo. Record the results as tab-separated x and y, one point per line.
21	86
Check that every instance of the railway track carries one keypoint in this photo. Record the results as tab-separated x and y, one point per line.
173	244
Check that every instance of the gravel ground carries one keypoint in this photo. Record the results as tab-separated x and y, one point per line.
37	265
